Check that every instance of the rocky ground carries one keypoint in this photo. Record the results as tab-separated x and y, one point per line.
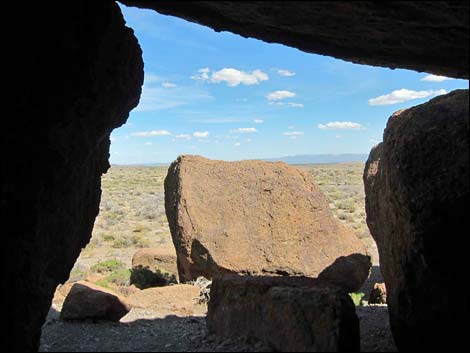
158	330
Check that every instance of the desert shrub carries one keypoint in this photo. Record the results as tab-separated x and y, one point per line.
120	277
108	237
357	298
111	222
347	205
107	266
121	243
139	228
143	278
77	274
140	242
151	206
345	217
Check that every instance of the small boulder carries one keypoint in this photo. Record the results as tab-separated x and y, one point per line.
289	314
87	301
155	267
378	295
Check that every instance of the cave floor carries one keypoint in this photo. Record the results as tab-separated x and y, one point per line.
147	330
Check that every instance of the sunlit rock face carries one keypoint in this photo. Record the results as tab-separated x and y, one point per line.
257	218
87	67
417	197
430	36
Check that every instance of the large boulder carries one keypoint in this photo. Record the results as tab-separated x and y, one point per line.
417	188
255	218
154	267
87	301
288	314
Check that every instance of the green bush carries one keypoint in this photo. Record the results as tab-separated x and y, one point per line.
119	278
108	237
77	274
121	243
140	242
107	266
357	298
143	278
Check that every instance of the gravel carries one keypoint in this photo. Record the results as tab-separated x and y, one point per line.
145	330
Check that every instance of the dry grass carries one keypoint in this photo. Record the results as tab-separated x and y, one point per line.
343	185
132	216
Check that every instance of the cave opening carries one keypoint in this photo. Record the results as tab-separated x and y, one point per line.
334	108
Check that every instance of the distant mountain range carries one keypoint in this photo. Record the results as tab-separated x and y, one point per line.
299	159
321	158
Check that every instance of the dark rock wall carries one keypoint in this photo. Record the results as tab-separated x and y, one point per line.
417	201
75	82
429	36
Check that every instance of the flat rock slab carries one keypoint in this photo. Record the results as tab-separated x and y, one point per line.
287	314
256	218
181	300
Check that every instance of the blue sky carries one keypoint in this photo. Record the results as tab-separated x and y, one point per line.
227	97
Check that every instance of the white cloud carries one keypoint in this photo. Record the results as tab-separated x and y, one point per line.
293	133
287	104
258	121
435	78
203	74
295	105
233	77
201	134
404	95
183	136
168	85
278	95
148	144
340	125
237	144
286	73
245	130
151	133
